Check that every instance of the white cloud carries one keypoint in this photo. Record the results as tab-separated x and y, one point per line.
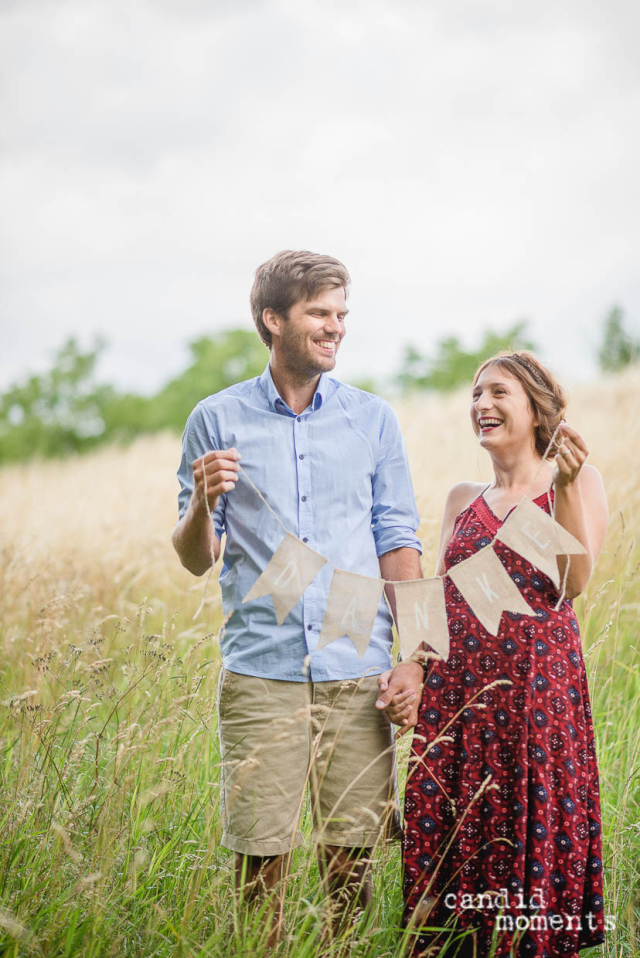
471	165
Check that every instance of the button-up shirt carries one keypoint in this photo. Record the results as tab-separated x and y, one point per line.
337	477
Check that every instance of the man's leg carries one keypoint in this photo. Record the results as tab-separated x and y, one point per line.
353	791
264	728
346	877
260	881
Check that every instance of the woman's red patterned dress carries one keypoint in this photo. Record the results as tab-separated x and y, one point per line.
507	801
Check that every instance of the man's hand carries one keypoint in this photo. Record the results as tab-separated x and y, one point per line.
400	694
214	474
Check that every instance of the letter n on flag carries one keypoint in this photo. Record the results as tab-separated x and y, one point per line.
351	609
292	568
488	589
537	537
422	616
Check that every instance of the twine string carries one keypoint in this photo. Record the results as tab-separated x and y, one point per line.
552	512
213	559
262	498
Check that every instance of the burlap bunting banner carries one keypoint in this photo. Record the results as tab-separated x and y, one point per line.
351	609
421	615
538	538
487	588
291	569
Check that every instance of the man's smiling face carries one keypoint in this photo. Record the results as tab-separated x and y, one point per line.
308	340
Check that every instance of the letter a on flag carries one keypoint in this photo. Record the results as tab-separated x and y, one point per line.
537	537
422	616
351	609
487	588
292	568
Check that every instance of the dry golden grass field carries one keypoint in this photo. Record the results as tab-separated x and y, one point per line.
109	817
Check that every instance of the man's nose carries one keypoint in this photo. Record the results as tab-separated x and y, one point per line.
333	324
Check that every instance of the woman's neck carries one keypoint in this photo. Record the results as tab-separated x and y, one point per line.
515	475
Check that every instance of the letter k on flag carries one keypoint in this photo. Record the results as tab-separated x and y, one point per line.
488	588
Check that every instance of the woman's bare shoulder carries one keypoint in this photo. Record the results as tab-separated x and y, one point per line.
462	495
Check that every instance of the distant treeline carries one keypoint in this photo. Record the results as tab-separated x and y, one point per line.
67	410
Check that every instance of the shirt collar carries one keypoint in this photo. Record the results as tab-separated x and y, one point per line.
277	402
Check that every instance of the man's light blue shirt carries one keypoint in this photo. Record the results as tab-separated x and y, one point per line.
338	478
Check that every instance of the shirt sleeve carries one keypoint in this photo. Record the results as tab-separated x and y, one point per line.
198	438
395	517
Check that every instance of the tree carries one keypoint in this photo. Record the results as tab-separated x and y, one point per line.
56	413
454	366
618	348
217	362
66	410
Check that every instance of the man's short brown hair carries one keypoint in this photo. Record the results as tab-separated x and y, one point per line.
291	277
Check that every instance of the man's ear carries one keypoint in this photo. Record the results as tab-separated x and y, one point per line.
272	320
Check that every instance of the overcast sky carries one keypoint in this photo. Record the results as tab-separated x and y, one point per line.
472	163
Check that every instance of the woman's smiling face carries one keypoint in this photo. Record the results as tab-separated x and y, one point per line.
501	412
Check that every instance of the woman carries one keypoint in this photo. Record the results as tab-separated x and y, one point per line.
502	812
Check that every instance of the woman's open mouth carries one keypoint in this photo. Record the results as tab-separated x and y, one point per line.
489	423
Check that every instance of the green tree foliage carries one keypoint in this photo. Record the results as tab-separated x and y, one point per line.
58	412
452	365
216	362
618	348
66	410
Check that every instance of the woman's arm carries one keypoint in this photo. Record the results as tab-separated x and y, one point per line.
580	507
400	689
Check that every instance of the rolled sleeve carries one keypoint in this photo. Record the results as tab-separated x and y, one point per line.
198	438
395	517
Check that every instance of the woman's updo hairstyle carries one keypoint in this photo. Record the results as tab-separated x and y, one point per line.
546	396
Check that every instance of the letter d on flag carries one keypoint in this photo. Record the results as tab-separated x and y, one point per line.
292	568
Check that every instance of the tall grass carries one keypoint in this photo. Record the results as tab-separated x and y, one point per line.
109	757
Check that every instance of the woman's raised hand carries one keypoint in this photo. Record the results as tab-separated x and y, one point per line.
570	457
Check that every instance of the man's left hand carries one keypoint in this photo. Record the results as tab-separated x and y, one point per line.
400	696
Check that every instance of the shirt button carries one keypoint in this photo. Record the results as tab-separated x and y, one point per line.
309	627
301	456
299	418
304	498
305	539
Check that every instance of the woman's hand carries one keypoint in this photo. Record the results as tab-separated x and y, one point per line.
580	507
570	457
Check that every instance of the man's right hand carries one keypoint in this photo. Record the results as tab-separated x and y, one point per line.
214	473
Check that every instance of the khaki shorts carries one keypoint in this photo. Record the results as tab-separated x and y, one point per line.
275	736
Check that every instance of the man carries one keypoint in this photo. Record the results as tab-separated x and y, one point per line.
330	463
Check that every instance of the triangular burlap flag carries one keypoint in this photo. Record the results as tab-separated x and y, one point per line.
292	567
422	616
351	609
533	534
487	588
